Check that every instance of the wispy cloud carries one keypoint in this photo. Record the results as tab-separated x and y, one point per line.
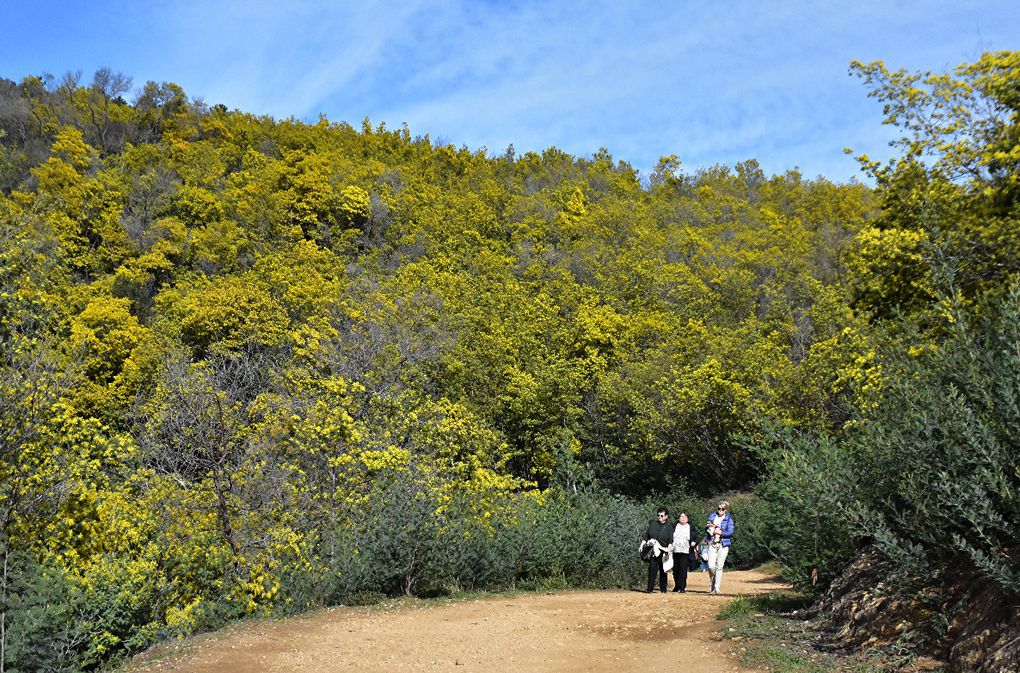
710	82
284	58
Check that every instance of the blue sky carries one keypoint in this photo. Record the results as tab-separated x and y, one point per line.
710	81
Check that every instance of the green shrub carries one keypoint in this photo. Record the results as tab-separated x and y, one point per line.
938	467
404	542
43	635
802	509
932	476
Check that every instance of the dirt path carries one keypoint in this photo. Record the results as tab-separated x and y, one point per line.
610	631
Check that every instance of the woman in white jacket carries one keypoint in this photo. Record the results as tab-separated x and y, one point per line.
684	541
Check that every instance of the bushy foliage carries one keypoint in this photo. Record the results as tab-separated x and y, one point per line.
952	197
402	541
558	299
41	632
927	469
804	499
953	418
252	365
930	476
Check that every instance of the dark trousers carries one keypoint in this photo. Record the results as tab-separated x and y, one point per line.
655	568
681	562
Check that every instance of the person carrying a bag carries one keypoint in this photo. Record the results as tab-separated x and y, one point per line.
656	544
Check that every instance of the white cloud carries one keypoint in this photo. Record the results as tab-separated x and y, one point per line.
712	82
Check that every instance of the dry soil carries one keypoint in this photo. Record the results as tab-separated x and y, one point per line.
601	631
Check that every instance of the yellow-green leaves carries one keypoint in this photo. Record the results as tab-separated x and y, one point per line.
887	267
224	315
256	328
103	336
950	203
354	207
70	148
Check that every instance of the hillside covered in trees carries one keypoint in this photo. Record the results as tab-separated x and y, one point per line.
247	361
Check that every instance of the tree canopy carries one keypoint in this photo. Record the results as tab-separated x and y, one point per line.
226	338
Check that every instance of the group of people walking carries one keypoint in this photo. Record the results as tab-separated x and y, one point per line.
679	547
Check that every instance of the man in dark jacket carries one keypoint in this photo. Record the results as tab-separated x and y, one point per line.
661	530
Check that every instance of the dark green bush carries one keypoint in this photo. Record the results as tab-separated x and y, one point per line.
932	476
802	514
939	464
42	632
404	542
753	533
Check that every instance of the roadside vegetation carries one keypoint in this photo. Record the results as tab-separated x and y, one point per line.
250	366
769	633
